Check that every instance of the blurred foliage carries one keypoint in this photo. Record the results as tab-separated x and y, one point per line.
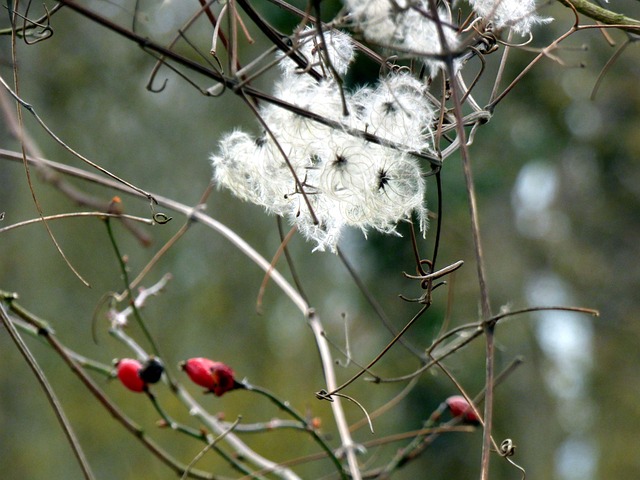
89	85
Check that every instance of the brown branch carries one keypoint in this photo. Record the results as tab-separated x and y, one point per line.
602	15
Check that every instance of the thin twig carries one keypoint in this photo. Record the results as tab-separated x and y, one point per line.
348	445
20	136
485	304
125	277
305	425
208	447
60	216
281	248
51	395
173	240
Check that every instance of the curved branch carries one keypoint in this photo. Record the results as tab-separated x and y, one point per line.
602	15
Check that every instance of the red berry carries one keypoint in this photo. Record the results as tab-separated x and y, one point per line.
216	377
459	407
129	374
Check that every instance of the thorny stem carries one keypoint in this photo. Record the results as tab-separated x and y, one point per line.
172	424
314	320
200	435
242	451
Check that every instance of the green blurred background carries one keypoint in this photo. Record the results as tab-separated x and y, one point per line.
558	180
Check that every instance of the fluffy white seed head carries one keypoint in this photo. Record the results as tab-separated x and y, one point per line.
398	110
397	190
518	15
242	165
309	45
342	180
406	26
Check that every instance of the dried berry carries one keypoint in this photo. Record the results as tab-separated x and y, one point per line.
216	377
152	370
129	374
459	407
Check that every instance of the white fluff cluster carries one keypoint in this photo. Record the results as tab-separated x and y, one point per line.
405	26
347	181
518	15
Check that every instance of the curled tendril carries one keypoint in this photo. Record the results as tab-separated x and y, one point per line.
518	45
28	24
427	277
508	449
159	89
324	395
161	218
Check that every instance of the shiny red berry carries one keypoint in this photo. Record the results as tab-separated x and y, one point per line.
459	407
216	377
129	374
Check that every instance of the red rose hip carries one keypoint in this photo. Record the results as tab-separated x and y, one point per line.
129	374
459	407
216	377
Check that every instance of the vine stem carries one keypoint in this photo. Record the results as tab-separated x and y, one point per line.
485	305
